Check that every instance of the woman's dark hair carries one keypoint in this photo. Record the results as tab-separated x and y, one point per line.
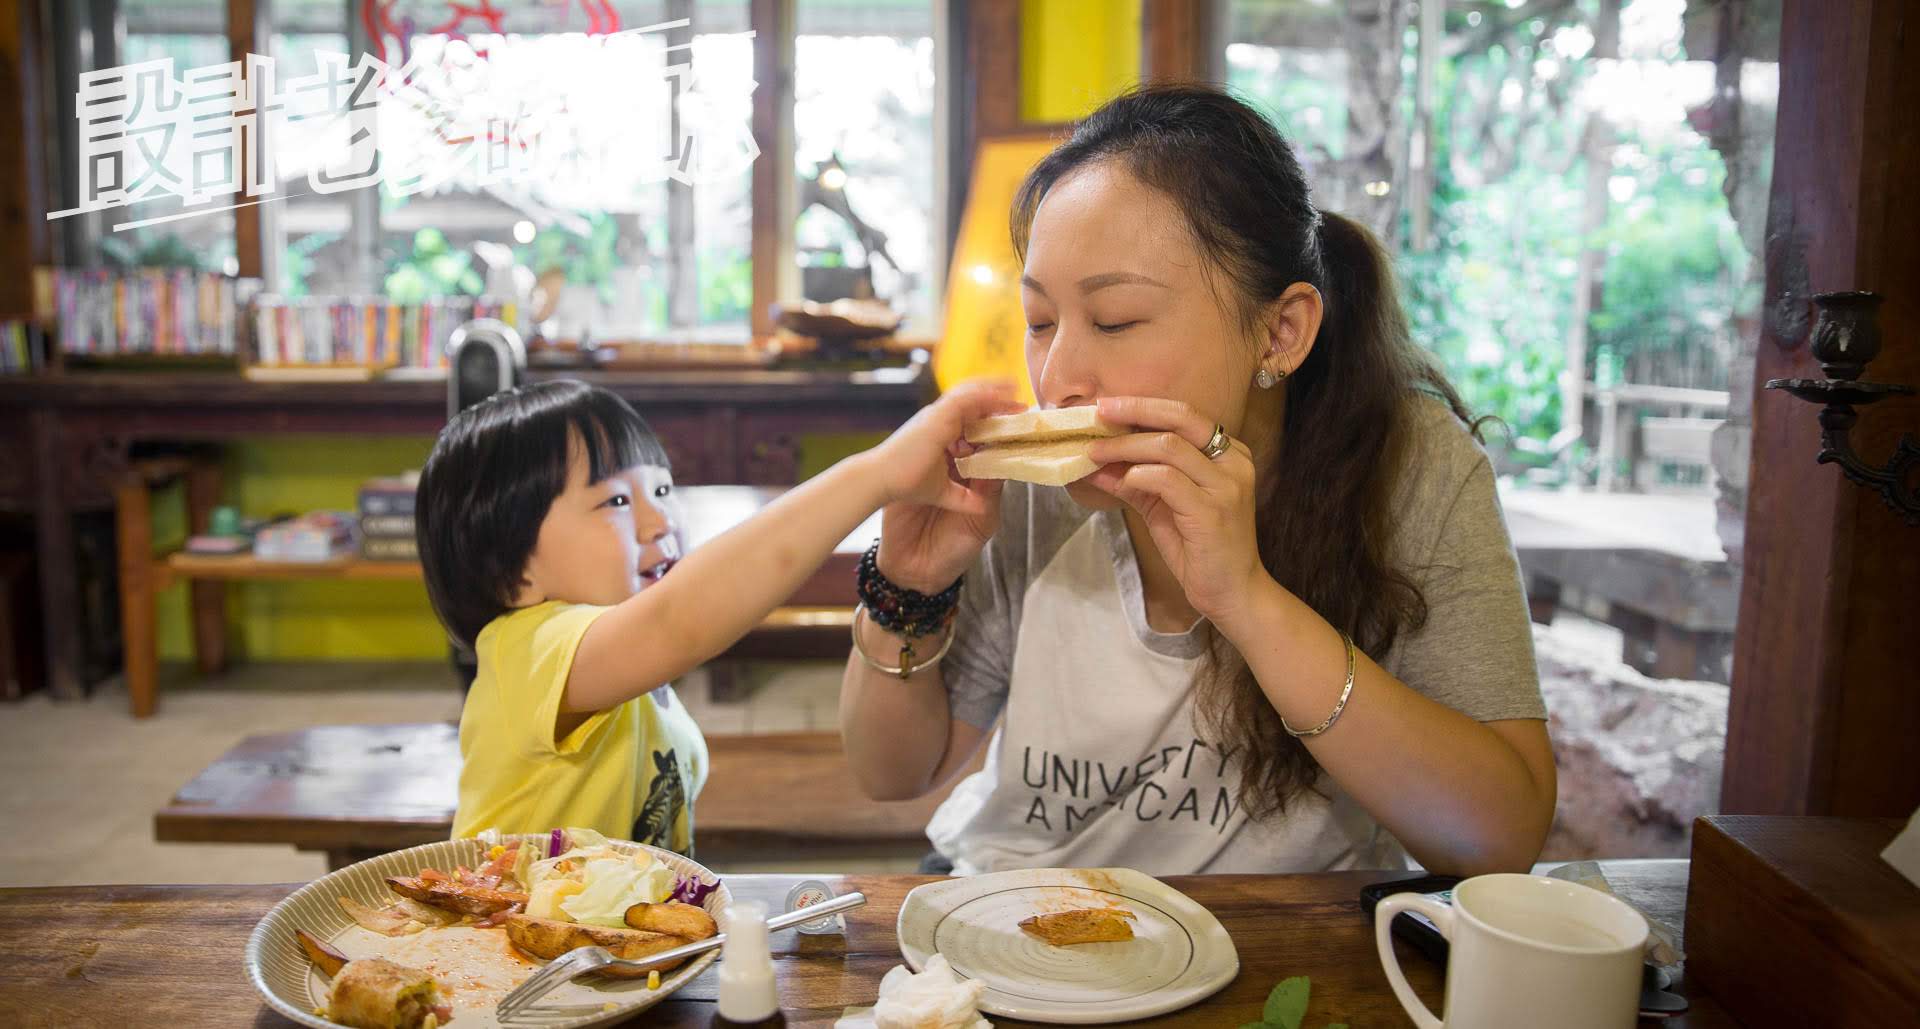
1347	419
493	474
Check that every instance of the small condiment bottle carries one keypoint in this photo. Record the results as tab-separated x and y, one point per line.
747	995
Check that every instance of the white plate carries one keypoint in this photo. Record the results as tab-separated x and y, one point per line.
1180	953
479	964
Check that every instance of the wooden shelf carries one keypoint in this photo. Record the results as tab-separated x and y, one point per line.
181	565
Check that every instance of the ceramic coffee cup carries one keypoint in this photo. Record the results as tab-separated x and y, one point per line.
1525	951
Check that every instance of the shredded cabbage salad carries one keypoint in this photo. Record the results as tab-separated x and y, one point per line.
585	879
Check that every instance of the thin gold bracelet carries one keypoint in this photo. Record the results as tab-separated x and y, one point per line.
908	665
1345	692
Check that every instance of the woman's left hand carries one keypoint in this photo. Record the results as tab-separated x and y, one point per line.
1199	511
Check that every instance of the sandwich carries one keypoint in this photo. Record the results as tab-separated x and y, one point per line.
1048	448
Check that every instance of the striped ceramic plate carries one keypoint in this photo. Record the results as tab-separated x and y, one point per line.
477	964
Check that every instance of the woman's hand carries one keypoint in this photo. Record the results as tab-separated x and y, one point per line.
1199	511
935	522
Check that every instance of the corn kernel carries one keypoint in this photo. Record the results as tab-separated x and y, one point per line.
496	851
653	980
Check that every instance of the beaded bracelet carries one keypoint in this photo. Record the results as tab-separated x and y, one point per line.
902	611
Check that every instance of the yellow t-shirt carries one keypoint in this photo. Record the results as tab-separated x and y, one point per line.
630	772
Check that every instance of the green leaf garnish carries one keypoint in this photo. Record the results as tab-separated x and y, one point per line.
1287	1004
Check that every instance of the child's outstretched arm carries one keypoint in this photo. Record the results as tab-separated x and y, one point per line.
720	591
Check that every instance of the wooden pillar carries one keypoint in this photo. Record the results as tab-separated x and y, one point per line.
244	37
774	194
1824	707
24	236
1177	42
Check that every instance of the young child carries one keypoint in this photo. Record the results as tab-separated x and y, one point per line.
551	543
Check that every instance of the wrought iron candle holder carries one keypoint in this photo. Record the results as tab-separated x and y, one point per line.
1846	336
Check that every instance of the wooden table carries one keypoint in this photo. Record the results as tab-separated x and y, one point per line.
353	791
90	955
75	436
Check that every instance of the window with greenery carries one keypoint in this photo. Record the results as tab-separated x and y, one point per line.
1555	176
630	254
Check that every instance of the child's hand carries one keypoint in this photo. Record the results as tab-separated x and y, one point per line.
917	460
935	523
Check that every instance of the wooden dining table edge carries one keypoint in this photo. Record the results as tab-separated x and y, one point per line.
818	976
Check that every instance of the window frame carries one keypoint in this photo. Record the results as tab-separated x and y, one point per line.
773	191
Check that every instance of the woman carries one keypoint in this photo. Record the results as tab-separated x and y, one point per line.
1282	628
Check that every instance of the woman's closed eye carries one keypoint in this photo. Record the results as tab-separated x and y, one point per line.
1115	328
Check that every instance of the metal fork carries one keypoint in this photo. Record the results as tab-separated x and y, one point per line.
581	960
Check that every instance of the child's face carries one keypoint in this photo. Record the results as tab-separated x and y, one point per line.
603	542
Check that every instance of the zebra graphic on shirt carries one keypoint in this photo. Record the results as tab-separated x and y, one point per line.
666	801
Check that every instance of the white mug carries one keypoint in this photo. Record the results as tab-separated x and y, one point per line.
1525	950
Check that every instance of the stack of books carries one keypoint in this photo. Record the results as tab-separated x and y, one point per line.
369	332
317	536
386	519
21	348
170	311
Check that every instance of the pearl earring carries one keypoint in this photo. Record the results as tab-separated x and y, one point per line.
1266	379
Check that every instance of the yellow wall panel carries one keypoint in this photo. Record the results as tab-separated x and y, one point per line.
1075	55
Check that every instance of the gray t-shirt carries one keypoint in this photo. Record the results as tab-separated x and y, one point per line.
1098	762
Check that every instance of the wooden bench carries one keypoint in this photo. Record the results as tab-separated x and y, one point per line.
1650	565
353	791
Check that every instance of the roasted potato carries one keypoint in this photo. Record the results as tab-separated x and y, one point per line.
1083	925
326	958
549	938
674	919
453	896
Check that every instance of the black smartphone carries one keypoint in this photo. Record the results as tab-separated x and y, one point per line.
1412	926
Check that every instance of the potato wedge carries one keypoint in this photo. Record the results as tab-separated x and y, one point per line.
324	957
672	918
468	900
1082	925
549	938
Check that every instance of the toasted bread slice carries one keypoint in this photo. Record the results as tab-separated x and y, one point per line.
1053	463
1038	426
1081	925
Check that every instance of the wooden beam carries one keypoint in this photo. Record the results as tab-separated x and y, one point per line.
1823	709
993	72
775	276
1177	42
244	36
24	236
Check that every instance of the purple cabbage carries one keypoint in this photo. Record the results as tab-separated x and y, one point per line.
556	844
690	890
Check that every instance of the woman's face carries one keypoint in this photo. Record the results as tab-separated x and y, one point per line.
1119	303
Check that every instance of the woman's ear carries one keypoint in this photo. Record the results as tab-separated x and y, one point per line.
1290	326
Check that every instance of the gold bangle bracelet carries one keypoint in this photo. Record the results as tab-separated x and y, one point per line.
908	665
1345	692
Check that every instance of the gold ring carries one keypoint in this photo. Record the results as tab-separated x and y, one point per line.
1219	444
